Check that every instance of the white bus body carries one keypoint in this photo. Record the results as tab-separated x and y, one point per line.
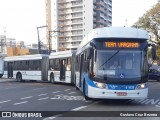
61	67
27	67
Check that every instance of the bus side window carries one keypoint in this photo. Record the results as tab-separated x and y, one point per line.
57	64
51	64
68	65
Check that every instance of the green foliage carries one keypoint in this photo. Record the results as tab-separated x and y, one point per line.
150	21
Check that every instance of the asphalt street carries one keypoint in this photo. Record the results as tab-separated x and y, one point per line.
61	100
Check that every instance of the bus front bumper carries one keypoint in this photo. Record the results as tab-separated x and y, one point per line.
117	94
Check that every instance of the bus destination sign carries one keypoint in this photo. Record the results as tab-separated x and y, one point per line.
122	44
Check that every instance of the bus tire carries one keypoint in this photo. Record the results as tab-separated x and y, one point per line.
52	78
84	89
19	77
1	75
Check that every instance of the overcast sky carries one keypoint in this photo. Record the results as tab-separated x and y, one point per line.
22	17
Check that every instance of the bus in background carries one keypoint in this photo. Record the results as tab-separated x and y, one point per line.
61	67
112	62
26	67
1	67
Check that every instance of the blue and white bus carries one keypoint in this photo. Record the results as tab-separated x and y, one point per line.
124	47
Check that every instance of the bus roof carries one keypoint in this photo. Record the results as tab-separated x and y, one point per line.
62	54
25	57
114	32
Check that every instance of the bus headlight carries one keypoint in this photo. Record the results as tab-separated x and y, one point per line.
141	86
100	85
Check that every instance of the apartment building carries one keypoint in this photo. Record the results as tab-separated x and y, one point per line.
71	20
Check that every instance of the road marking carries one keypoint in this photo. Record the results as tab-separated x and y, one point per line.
79	108
51	118
39	88
43	98
43	94
11	88
71	92
56	92
67	89
20	103
26	97
5	101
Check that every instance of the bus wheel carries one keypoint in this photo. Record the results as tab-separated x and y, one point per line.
84	89
52	78
158	79
19	77
1	75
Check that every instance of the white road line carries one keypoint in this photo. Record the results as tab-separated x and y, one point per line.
20	103
5	101
67	89
43	98
26	97
71	92
11	88
56	92
79	108
39	88
51	118
43	94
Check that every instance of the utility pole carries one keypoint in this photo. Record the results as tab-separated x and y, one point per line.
39	41
50	38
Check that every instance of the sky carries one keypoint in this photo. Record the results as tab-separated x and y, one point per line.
20	18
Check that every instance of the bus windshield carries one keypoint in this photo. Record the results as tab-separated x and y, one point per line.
123	64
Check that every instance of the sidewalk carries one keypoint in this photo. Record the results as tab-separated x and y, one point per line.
6	79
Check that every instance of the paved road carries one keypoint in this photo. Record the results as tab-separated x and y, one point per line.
39	97
34	96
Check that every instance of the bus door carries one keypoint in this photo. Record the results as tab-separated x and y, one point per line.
81	69
62	69
10	69
45	68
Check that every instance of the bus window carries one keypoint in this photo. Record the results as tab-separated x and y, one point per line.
57	65
51	64
68	65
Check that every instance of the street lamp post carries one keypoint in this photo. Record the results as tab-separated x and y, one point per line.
39	41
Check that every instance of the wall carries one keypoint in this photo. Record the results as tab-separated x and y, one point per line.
14	51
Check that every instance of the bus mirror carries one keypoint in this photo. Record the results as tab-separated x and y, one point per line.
89	53
153	51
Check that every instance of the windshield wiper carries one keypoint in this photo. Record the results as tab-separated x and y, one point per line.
110	57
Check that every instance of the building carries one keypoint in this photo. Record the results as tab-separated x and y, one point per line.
10	42
2	44
69	21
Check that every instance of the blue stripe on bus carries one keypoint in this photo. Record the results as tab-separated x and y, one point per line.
90	82
121	87
110	86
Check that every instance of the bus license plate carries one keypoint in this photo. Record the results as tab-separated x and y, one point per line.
121	94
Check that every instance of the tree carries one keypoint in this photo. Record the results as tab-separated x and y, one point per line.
151	21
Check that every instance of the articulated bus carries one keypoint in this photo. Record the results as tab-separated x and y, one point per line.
26	67
56	67
61	67
112	62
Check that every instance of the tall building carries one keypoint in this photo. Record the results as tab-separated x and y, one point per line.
71	20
